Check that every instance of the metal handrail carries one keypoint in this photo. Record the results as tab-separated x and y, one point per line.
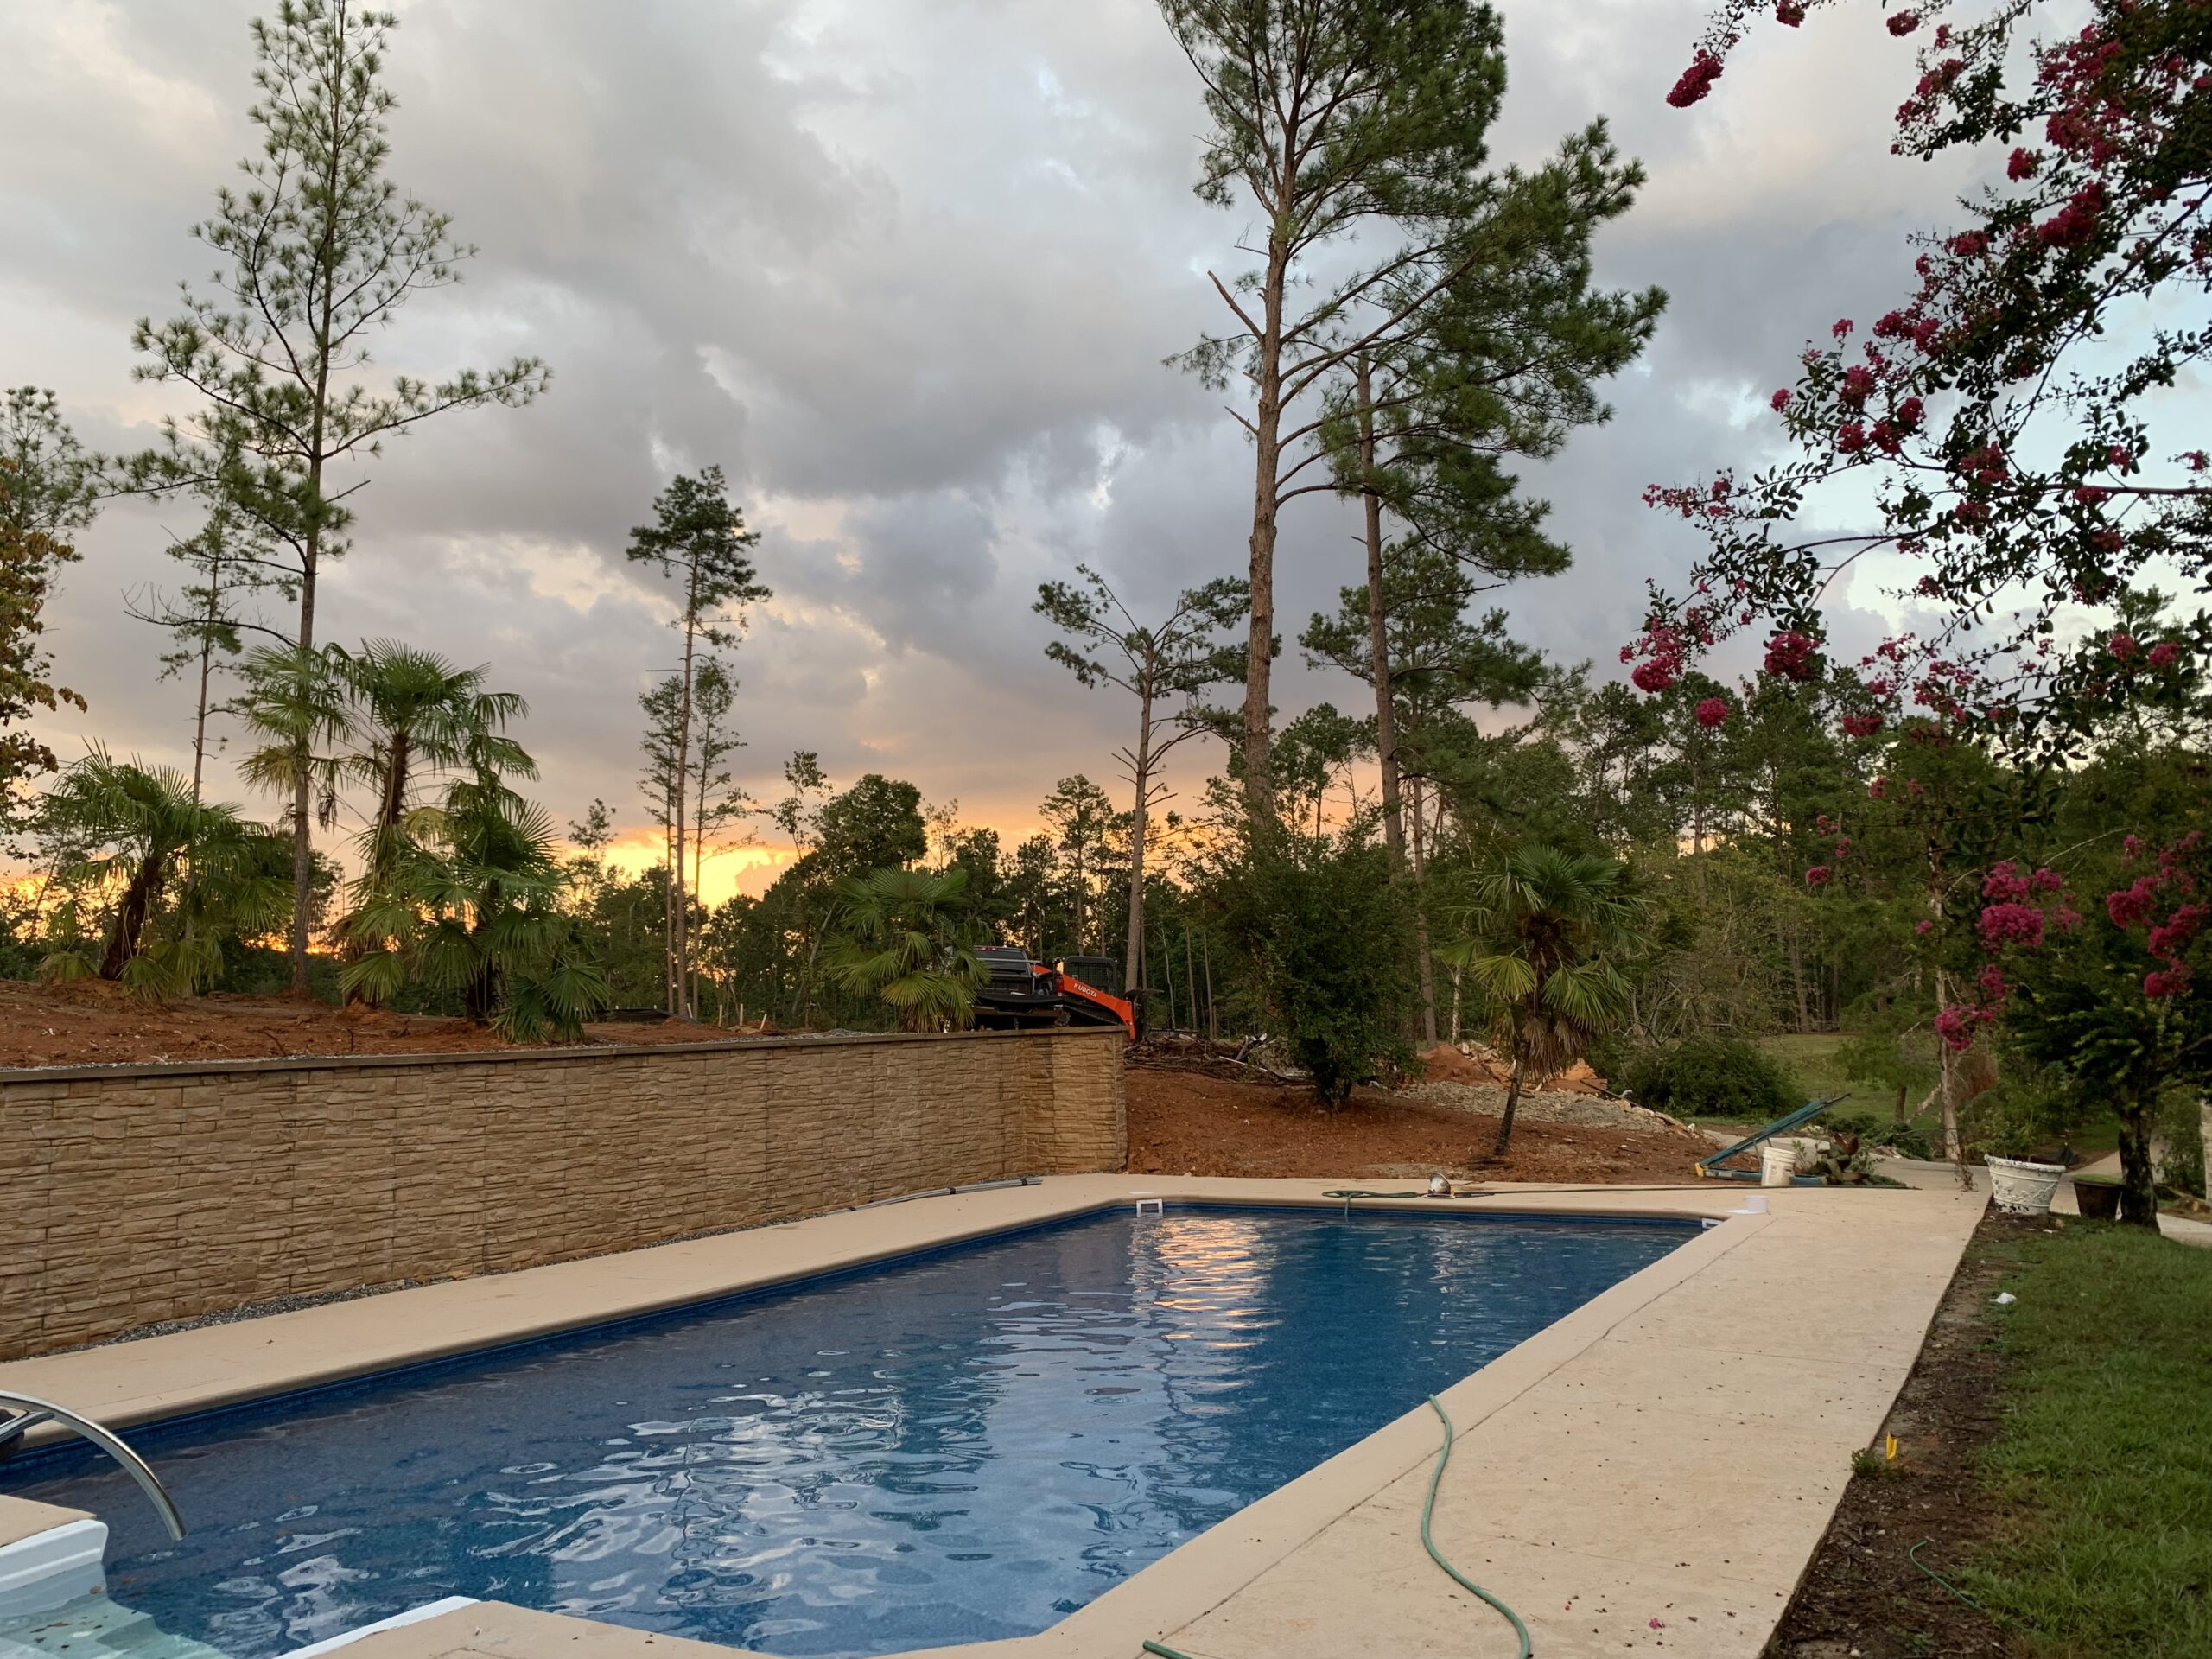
33	1411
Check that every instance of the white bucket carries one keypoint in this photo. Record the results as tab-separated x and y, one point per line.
2022	1188
1777	1163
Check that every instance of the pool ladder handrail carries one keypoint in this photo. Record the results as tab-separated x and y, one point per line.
31	1411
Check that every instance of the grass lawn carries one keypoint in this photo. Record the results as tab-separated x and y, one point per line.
1811	1060
2103	1464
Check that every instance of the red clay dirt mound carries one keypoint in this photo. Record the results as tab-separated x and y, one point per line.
1485	1068
90	1022
1186	1123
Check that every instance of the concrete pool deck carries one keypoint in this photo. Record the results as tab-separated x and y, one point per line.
1652	1472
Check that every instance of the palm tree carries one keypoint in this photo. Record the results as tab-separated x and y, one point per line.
413	716
295	705
909	937
465	900
419	714
188	871
1545	938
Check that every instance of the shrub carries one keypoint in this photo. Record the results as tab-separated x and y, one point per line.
1873	1131
1711	1076
1320	925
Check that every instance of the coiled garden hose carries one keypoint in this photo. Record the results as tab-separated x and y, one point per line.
1161	1650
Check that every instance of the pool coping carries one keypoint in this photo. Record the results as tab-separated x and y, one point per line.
1224	1581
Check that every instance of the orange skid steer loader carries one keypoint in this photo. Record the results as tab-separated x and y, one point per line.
1022	996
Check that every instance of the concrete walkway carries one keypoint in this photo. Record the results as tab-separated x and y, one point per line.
1940	1177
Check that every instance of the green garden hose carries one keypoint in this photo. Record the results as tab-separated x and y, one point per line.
1913	1556
1161	1650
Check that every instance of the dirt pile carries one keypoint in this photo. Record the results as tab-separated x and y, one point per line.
1474	1065
1184	1122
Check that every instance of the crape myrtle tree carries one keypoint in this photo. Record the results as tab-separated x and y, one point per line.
2005	422
698	541
320	252
1167	666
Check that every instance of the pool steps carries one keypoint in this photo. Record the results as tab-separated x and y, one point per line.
51	1601
49	1568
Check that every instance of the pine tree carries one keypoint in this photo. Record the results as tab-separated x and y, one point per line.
699	541
322	251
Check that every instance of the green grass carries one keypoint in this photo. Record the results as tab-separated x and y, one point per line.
2105	1458
1811	1058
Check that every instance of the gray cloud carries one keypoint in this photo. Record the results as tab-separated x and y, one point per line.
907	269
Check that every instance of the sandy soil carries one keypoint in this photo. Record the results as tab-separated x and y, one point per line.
87	1022
1185	1123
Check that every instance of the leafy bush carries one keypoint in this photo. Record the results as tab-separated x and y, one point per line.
1335	988
1711	1076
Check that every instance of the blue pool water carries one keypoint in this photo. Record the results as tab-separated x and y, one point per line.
954	1447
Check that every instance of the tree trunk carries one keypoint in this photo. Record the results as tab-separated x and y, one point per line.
302	791
1424	954
1797	981
1213	1031
321	300
131	915
1386	712
1132	970
1267	431
2139	1189
679	942
2205	1133
1512	1103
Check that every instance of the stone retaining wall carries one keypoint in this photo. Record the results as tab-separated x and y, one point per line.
130	1195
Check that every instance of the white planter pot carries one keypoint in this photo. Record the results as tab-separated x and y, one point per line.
2022	1188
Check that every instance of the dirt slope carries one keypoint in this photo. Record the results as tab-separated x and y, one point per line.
88	1022
1186	1123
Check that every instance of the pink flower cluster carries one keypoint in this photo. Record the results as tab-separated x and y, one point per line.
2169	940
1788	13
1697	79
2076	222
1819	876
1713	712
1902	24
1861	725
1789	654
1664	649
2009	923
1955	1025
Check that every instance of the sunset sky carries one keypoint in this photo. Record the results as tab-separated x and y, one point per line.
908	269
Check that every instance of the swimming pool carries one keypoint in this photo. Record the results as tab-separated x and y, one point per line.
954	1447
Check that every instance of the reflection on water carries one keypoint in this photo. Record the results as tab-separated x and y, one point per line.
959	1448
